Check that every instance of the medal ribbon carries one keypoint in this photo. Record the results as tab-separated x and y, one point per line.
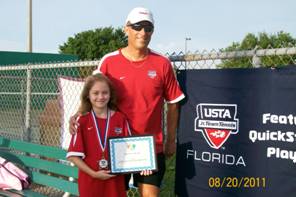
98	130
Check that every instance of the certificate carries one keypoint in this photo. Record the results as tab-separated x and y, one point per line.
132	154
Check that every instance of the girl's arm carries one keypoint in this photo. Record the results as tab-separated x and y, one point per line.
101	174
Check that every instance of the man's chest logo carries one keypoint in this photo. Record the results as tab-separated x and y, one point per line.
152	74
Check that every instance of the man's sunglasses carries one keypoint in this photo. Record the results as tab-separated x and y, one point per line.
139	27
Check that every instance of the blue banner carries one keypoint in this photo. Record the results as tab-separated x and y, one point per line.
237	133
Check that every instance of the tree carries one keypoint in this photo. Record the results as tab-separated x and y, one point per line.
93	44
262	41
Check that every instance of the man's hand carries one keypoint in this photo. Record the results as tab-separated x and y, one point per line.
73	123
170	148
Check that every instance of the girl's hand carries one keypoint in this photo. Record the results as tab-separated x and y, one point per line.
102	175
146	172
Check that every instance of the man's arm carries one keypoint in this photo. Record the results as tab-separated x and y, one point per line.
172	123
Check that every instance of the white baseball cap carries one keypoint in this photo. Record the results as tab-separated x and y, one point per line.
139	14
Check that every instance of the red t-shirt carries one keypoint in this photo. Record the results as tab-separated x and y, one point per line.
141	88
85	144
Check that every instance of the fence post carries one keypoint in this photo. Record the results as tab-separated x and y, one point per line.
256	61
27	134
23	92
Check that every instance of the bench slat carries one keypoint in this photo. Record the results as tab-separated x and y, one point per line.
49	166
48	151
55	182
27	192
38	158
8	193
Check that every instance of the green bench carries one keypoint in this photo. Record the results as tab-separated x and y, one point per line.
43	164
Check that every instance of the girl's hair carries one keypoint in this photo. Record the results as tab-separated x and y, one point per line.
85	104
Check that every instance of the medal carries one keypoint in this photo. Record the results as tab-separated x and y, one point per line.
103	163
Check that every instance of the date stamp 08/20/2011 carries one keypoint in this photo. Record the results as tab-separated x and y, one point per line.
237	182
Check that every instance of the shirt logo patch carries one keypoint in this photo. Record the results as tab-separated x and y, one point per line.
118	130
152	74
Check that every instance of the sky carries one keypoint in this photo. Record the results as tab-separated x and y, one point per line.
211	24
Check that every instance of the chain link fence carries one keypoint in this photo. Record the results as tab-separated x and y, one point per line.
30	107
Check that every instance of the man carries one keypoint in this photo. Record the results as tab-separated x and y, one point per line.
143	79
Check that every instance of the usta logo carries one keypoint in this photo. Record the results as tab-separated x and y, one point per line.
216	122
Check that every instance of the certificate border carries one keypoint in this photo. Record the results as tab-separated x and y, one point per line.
113	140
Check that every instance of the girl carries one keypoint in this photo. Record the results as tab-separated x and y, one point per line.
88	148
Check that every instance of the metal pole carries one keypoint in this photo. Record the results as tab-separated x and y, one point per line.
23	106
185	46
30	26
27	135
186	39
